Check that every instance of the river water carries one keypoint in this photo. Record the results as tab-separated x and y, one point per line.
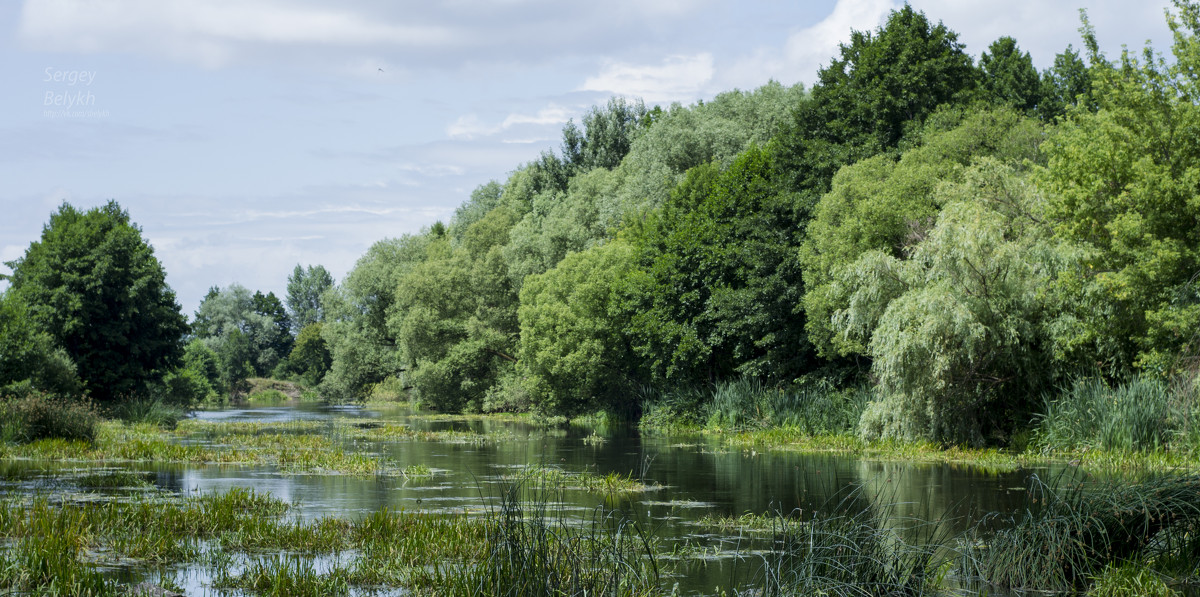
694	478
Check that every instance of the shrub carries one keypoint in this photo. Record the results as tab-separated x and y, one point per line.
148	409
32	415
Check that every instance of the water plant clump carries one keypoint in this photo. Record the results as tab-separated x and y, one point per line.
1073	533
535	550
861	548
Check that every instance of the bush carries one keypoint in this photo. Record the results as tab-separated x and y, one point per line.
30	415
270	396
148	409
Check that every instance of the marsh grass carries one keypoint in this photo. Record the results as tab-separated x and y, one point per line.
1072	533
1142	414
152	410
36	415
536	550
54	547
862	548
607	484
748	404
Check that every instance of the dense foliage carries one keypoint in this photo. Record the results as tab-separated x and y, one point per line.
93	285
965	234
923	244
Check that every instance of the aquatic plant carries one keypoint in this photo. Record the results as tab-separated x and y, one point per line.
861	548
535	550
1140	414
1072	531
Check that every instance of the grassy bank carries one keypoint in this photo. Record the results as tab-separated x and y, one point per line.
1141	424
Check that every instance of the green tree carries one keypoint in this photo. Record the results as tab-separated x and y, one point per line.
455	318
722	281
304	290
1065	85
1009	76
607	135
93	284
1123	184
356	330
247	341
956	331
880	204
574	353
270	306
876	93
28	354
311	355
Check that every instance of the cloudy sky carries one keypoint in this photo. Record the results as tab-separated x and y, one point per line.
246	136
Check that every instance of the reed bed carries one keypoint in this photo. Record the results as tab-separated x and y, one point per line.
534	550
1073	533
862	548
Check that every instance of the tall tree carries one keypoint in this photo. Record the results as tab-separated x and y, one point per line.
304	290
92	282
1009	76
880	90
246	340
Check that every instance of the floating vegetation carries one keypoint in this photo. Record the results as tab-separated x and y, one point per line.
610	483
61	548
595	440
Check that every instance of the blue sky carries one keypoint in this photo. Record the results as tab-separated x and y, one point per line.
246	136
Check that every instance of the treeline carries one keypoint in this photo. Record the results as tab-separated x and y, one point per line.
89	323
963	234
957	239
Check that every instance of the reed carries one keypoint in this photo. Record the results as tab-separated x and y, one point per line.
864	549
535	550
1072	532
1138	415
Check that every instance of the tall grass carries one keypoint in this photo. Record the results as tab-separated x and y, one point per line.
36	415
535	550
1071	533
748	403
152	410
1140	414
862	549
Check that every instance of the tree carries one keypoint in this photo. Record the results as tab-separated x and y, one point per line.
455	318
311	355
879	91
1009	76
956	331
1123	184
269	306
1065	85
357	311
721	279
28	354
574	352
304	290
880	204
93	284
247	341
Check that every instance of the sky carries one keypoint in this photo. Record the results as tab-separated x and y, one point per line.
245	137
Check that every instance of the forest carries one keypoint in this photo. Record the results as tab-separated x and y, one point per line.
920	246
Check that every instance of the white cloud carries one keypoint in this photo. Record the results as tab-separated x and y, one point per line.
808	49
209	33
470	126
677	78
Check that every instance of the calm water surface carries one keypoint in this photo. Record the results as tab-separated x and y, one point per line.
697	478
